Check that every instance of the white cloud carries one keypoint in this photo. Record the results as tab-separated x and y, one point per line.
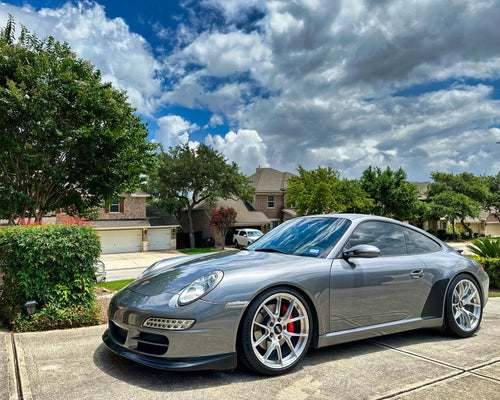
123	57
215	120
245	147
173	130
315	82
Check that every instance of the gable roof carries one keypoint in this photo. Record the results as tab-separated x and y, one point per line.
270	180
246	215
423	188
157	217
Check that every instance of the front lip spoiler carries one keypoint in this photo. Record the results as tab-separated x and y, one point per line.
219	362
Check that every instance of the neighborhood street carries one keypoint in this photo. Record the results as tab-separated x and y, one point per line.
74	363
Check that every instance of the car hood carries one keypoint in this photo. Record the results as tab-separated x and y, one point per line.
173	275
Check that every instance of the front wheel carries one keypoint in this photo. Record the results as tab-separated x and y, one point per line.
463	308
236	244
276	332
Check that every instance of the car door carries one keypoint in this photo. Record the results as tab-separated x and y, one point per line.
371	291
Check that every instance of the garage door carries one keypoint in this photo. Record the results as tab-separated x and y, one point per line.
493	229
159	239
121	241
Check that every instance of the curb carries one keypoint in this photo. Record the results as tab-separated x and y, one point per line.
11	369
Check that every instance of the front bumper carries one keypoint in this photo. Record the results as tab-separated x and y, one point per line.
213	362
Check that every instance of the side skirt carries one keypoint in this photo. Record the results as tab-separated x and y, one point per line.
367	332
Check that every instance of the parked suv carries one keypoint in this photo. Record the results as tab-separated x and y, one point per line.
245	237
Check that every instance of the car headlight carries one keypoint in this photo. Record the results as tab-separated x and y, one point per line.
200	287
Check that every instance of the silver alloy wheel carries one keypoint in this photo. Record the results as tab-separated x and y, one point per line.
280	331
466	305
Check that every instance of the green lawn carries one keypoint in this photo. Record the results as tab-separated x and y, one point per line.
198	250
114	285
494	294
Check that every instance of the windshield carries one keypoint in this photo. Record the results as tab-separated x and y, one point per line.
312	237
253	233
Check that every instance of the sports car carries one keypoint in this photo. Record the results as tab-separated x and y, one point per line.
312	281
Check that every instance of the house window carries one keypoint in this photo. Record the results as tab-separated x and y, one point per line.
270	201
442	225
115	206
274	224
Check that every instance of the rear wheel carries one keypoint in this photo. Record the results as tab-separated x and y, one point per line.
463	309
276	332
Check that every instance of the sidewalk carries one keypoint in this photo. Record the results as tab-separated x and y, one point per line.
74	364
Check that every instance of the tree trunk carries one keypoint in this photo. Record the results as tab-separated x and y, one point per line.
468	229
454	233
191	229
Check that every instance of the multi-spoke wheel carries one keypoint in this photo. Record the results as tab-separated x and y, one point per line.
276	331
463	310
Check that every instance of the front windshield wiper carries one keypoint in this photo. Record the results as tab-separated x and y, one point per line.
270	250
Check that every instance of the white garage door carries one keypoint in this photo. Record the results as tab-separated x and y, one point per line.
159	239
121	241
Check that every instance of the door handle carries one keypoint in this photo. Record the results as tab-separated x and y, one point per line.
417	273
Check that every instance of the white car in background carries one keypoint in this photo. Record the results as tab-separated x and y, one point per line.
245	237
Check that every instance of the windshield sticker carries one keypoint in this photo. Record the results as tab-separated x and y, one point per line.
315	250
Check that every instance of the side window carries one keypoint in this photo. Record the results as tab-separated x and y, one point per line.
419	244
389	238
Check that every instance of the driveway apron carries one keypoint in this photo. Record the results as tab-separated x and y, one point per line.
414	365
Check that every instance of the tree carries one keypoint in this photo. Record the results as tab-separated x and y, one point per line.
492	204
392	195
223	219
322	191
66	138
457	197
193	176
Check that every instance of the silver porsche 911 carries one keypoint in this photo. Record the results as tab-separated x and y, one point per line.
312	281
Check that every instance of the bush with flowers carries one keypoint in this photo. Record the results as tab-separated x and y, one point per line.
223	218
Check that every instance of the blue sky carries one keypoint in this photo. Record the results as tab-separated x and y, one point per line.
317	83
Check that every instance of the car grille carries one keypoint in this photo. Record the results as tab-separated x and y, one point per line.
139	341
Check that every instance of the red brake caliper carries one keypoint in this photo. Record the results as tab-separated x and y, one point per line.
289	326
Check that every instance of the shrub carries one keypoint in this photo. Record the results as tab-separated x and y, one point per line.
485	248
53	265
52	317
441	233
492	268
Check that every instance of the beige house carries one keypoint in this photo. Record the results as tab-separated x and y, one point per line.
246	217
485	225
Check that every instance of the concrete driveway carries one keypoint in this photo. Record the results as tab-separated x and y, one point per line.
74	364
130	265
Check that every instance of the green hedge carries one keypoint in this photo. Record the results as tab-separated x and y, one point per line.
53	265
492	268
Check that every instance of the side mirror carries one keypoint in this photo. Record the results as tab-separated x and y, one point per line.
361	251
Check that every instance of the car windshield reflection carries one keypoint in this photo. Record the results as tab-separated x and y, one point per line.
311	237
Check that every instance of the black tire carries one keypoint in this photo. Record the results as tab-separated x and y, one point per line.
236	244
463	308
273	342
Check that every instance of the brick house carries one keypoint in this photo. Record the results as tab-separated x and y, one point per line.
130	225
270	188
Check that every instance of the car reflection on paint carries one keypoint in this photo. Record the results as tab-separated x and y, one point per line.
312	281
